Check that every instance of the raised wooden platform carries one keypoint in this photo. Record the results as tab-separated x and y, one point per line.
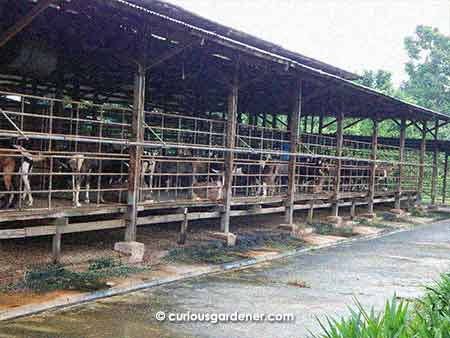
83	219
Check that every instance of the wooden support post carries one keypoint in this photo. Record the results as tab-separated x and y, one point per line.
320	124
294	122
134	170
229	156
56	240
398	194
423	148
311	212
444	185
434	174
373	168
252	119
410	202
183	229
353	209
264	120
337	180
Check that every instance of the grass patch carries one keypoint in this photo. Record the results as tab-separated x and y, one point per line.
216	252
428	317
57	277
380	225
416	212
389	217
328	229
438	215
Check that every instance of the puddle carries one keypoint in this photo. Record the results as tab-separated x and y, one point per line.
130	316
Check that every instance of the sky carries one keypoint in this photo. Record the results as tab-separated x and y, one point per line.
350	34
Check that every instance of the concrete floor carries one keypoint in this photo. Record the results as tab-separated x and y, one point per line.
372	271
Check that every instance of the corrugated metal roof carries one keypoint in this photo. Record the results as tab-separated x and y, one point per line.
242	41
177	12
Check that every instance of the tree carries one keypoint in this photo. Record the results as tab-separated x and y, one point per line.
428	68
380	80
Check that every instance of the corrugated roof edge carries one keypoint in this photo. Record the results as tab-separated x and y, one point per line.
285	60
183	14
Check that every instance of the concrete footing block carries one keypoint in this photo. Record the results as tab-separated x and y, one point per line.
336	221
287	227
300	232
399	212
228	237
368	216
135	250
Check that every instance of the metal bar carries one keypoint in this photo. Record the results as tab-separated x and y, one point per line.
372	179
294	124
13	124
153	132
229	156
400	166
128	143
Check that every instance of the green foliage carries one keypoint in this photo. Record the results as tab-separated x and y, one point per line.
388	216
217	253
56	277
428	83
429	68
362	324
103	263
428	318
328	229
416	212
380	80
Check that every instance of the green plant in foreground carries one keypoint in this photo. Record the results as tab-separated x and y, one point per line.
428	318
432	313
362	324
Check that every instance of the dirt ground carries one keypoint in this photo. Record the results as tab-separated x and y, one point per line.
20	255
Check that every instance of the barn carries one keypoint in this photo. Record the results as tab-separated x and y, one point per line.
126	113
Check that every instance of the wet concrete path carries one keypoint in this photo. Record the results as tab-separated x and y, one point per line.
371	271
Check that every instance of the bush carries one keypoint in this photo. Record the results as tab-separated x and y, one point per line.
329	229
215	252
57	277
389	217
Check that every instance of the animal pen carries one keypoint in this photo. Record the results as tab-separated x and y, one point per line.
119	114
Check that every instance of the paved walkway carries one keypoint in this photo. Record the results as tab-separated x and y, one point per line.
372	271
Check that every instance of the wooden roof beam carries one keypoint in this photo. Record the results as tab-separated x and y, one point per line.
24	22
354	123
